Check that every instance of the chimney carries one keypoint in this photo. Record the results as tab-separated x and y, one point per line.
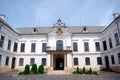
2	16
115	15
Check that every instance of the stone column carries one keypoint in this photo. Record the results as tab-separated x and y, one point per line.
51	60
65	61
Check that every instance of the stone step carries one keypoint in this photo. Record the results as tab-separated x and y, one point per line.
58	72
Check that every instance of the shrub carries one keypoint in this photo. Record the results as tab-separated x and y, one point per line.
84	70
94	72
90	71
27	69
77	70
34	69
80	72
41	69
21	73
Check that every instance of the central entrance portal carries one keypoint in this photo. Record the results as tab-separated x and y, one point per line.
59	64
58	61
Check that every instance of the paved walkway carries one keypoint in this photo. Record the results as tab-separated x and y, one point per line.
102	76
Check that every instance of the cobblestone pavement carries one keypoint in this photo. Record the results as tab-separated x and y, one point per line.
101	76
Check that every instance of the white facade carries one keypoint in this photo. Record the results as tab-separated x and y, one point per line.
64	57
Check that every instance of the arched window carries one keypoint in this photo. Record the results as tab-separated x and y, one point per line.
59	45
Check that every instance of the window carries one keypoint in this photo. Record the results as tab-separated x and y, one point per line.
15	47
86	46
87	61
59	45
21	61
9	45
116	39
0	27
7	61
44	61
110	43
119	58
112	59
2	41
33	46
75	47
22	47
99	61
104	45
97	45
32	61
75	61
0	59
44	47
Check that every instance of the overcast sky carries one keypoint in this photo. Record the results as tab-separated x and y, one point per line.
30	13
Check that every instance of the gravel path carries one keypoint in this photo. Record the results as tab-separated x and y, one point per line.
102	76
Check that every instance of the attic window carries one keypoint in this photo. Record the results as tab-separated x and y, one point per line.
35	30
84	29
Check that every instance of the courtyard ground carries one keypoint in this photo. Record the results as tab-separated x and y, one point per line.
12	75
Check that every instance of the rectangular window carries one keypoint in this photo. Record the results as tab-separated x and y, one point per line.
75	47
119	58
15	47
9	45
112	59
7	61
2	41
97	45
33	46
116	39
110	42
87	61
44	61
86	46
75	61
44	47
21	61
32	61
0	59
22	47
99	60
104	45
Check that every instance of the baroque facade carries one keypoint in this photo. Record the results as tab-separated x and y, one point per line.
60	47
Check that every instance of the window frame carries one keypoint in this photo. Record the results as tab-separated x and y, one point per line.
87	61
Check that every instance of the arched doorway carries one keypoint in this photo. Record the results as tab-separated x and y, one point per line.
59	45
59	64
107	62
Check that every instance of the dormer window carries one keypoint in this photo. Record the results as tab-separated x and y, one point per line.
35	31
84	29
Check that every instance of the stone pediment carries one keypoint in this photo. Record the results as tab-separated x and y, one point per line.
59	29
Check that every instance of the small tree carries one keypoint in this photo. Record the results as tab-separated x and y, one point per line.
41	69
77	70
34	69
84	70
90	71
27	69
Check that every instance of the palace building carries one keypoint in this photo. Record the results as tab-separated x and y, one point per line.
60	47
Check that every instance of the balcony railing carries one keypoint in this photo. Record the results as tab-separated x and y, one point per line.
59	48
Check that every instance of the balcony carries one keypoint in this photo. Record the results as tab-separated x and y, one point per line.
59	50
